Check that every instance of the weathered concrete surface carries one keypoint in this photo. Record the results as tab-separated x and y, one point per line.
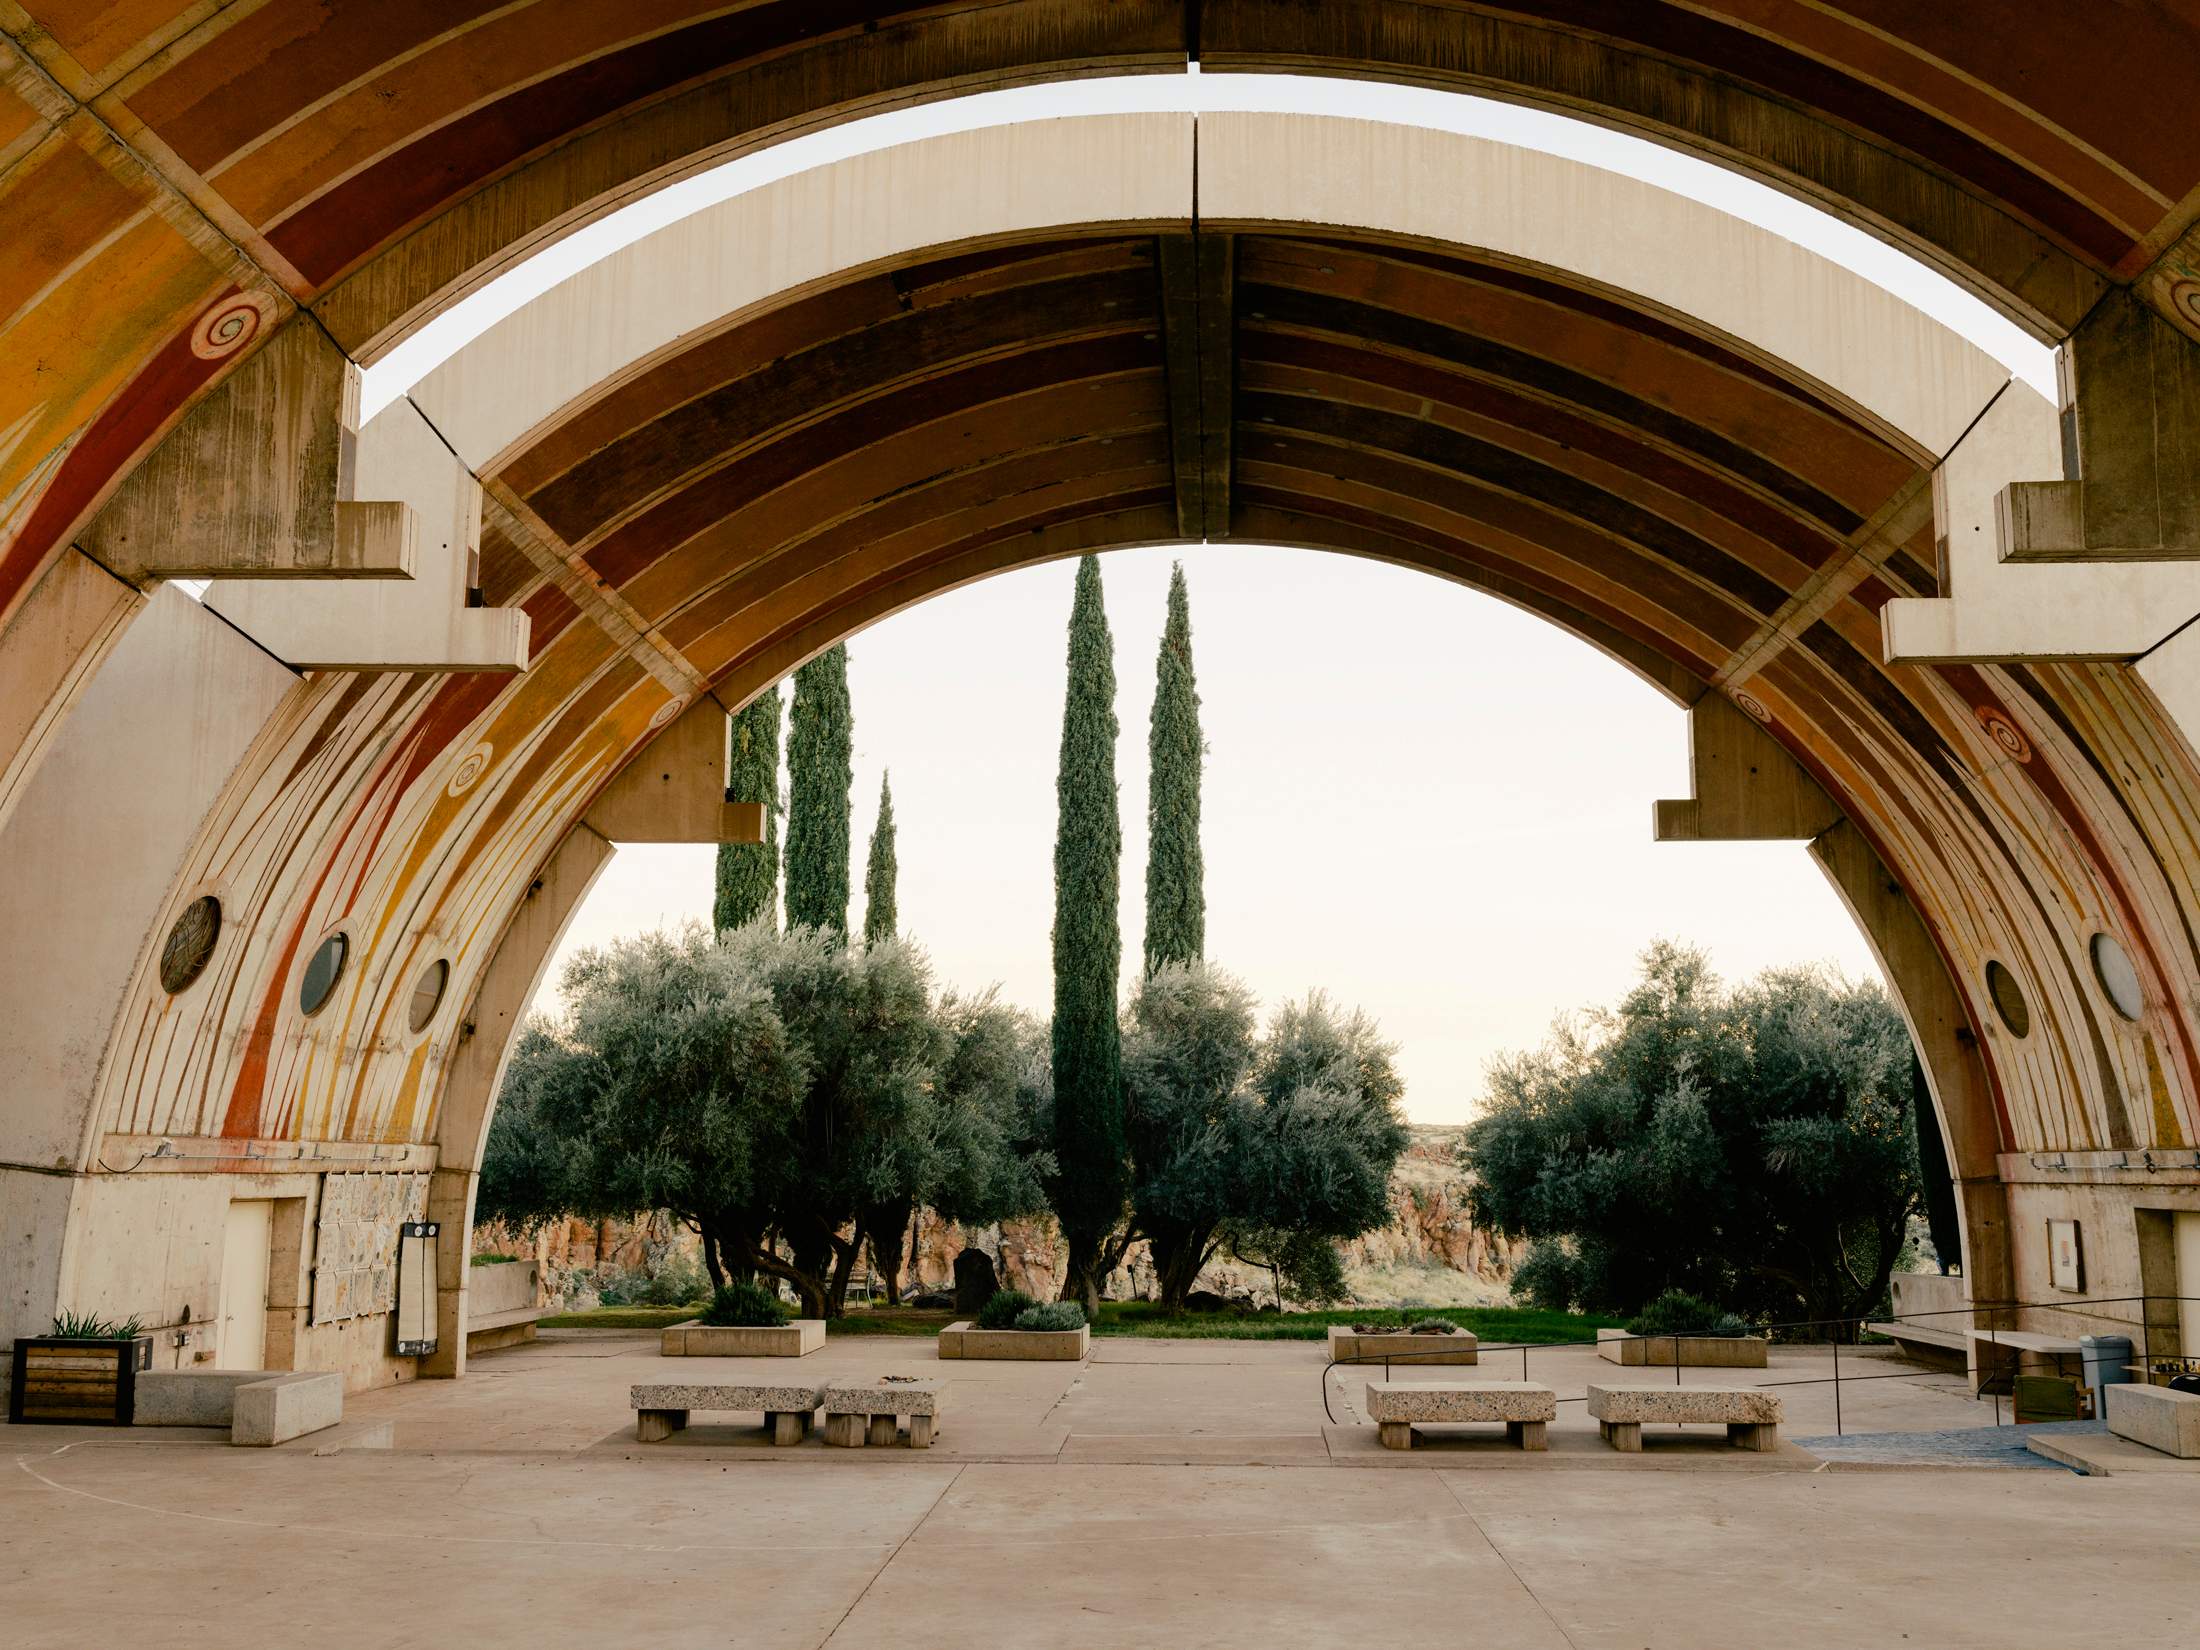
967	1340
808	1548
703	1340
2156	1417
284	1407
1688	1351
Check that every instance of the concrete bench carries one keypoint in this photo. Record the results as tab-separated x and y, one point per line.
1526	1409
2156	1417
260	1407
662	1410
863	1412
285	1407
1750	1414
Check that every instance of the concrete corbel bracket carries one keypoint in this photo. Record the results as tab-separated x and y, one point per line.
259	478
1747	787
1994	609
423	624
2130	434
675	790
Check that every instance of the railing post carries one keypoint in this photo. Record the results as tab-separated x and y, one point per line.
1837	1383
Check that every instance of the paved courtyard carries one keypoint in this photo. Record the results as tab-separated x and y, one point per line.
1164	1493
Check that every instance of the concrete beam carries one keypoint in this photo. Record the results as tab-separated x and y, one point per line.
427	623
1947	1047
1747	787
1199	333
2131	447
259	479
1994	610
675	789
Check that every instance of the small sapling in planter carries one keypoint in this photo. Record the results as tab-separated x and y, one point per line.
82	1374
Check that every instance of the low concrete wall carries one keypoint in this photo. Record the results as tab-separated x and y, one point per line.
1688	1351
501	1307
967	1340
701	1340
193	1397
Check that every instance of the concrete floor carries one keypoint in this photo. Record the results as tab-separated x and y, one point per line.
1183	1494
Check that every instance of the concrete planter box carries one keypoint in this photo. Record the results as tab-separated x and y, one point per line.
788	1340
1690	1351
1346	1344
967	1340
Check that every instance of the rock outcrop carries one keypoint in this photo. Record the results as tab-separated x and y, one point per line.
1429	1254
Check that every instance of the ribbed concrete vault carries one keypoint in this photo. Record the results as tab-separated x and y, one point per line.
1726	501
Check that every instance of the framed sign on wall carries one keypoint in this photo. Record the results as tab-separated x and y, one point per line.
2065	1257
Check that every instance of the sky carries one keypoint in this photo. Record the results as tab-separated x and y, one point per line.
1418	799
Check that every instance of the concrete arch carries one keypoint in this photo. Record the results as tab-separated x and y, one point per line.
928	370
199	176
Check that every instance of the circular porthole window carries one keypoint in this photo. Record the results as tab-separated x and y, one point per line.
2112	967
322	973
190	944
428	992
2008	1000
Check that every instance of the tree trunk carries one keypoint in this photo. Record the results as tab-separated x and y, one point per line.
845	1255
889	1225
708	1231
1082	1273
1179	1257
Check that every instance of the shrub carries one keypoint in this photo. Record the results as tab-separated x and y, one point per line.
1431	1326
1006	1306
744	1306
84	1326
1677	1312
493	1260
1052	1315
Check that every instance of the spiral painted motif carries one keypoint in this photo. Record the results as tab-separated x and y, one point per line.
230	325
2004	733
470	768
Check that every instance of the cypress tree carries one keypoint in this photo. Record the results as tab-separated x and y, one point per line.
881	919
748	872
820	772
1089	1144
1176	892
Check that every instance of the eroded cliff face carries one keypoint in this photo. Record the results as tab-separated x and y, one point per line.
1430	1253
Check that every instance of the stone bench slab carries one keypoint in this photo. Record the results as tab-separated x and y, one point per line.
1525	1408
857	1413
662	1408
1460	1401
1751	1415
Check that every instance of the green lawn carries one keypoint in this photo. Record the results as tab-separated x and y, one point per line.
1142	1318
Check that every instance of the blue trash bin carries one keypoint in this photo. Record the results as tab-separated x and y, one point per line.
2106	1360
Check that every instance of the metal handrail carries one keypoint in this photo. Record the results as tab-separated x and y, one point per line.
2145	1327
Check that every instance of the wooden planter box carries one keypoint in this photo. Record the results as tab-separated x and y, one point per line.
967	1340
701	1340
1690	1351
58	1382
1460	1346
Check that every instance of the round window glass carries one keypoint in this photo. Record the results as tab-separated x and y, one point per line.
428	992
322	973
190	944
2112	967
2008	1000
